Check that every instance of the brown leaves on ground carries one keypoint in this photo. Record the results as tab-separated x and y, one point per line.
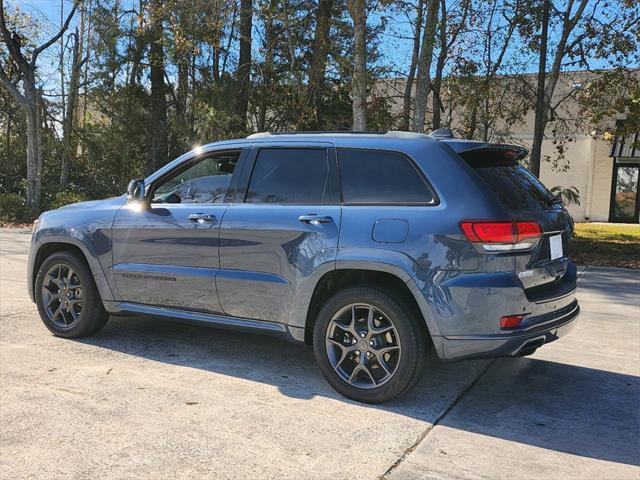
606	245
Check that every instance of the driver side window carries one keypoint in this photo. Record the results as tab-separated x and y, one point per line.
205	181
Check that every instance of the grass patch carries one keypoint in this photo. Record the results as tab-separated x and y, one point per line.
606	245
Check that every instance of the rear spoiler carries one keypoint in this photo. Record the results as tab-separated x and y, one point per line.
473	151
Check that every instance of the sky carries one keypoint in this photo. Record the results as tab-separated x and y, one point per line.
395	46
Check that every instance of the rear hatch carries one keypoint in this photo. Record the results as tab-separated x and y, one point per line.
542	269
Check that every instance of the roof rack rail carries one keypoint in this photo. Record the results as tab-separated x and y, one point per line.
442	133
316	132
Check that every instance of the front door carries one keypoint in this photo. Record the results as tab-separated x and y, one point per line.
166	253
625	200
283	227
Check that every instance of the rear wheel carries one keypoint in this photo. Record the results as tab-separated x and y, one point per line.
369	344
67	298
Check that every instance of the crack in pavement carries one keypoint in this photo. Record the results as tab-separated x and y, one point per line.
437	421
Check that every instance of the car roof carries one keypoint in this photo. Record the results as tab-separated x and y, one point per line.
342	138
374	139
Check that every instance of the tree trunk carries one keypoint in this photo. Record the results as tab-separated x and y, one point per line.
319	63
267	68
442	58
408	87
34	179
424	66
223	68
68	122
541	111
446	40
358	12
473	122
159	154
8	139
182	92
28	100
243	74
545	89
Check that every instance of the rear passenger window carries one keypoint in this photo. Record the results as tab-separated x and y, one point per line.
290	176
374	176
514	185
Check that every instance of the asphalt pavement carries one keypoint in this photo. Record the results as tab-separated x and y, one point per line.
149	398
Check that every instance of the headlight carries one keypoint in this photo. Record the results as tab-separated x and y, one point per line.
34	227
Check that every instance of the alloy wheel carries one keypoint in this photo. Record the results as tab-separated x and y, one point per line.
363	346
62	295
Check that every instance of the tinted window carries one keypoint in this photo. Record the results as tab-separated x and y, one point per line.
206	181
514	185
371	176
298	176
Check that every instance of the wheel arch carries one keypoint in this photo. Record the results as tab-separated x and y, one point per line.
386	276
50	245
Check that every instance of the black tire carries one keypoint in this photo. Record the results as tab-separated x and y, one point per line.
409	330
90	312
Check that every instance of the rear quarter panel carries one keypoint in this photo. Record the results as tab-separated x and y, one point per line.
433	251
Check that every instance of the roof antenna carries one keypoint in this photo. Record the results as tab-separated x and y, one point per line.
442	133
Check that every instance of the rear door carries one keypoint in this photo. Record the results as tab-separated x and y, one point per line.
282	226
526	199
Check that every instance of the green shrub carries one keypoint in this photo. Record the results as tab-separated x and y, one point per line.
66	197
13	207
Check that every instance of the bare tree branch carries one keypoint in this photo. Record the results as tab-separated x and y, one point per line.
56	37
12	88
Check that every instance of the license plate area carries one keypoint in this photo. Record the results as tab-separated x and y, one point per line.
555	247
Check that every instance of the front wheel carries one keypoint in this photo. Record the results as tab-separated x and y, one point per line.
369	344
67	298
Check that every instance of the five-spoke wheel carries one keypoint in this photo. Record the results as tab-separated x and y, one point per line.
363	345
369	343
67	298
62	295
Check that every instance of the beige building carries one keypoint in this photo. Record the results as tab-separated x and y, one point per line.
604	170
605	175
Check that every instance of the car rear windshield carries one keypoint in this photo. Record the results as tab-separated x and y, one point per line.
514	185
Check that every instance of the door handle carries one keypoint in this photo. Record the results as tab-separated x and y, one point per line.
315	219
202	218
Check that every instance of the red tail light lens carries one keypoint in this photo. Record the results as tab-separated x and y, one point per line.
490	232
511	321
527	230
502	236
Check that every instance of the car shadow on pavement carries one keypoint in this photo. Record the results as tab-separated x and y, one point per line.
561	407
616	285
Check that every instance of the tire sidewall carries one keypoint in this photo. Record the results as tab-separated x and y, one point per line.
412	342
91	298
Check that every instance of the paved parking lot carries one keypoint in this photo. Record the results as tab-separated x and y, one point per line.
153	399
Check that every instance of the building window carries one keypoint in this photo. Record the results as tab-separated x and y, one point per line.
625	185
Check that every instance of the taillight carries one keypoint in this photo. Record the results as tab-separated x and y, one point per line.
502	236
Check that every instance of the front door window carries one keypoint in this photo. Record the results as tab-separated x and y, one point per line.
205	181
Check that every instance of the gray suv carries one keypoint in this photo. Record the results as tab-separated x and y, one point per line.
375	248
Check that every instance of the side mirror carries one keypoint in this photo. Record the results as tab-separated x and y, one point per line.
135	190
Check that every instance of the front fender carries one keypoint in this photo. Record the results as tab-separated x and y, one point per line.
94	245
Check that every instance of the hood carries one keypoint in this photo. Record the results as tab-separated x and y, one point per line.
90	204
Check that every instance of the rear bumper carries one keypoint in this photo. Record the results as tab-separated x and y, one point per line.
511	344
463	312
